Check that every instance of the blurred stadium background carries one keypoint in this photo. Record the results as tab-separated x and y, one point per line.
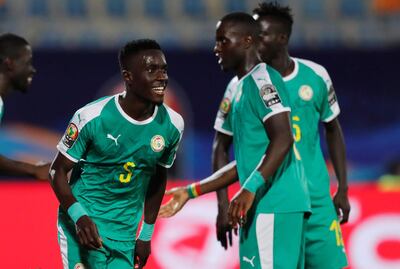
75	46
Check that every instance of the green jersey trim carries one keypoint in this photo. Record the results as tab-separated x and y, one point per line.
273	113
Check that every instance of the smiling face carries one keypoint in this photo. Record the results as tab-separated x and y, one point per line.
22	70
229	43
146	75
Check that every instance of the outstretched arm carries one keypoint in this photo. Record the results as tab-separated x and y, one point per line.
220	179
337	152
86	230
16	168
220	157
279	132
154	195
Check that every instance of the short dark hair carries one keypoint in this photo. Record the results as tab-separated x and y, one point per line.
283	14
10	46
134	47
249	24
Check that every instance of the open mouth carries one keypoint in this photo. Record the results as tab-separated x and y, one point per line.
159	90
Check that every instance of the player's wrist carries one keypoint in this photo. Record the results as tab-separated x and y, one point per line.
193	190
146	231
76	211
254	182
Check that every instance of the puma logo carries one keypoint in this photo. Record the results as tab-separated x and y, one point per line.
245	259
109	136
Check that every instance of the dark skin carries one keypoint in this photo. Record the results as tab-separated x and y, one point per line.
220	158
16	75
274	51
237	51
145	77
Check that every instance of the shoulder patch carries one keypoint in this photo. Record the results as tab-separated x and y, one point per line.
70	136
332	96
225	105
270	95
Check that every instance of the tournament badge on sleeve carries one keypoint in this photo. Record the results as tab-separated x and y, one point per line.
70	136
269	95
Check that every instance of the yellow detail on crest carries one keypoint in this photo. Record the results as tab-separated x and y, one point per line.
125	178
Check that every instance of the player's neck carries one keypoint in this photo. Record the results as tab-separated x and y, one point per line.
283	64
249	63
136	108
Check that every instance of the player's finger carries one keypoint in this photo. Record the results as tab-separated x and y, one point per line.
345	218
230	237
171	191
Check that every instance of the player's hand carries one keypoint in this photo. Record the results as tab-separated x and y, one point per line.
142	253
179	198
41	171
87	233
342	206
224	230
239	206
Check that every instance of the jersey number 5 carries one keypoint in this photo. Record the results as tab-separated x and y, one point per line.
126	177
297	136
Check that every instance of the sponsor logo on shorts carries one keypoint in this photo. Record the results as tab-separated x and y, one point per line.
270	95
70	136
157	143
306	93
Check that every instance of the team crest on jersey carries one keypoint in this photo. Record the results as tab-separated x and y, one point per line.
225	105
70	136
306	93
157	143
79	266
331	96
270	95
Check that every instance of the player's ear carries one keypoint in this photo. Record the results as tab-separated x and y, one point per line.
248	41
127	75
283	38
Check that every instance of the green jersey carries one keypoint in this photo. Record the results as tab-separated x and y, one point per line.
1	108
259	95
312	99
118	155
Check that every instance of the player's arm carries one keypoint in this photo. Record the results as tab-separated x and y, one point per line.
17	168
154	196
220	157
279	132
180	195
337	152
85	228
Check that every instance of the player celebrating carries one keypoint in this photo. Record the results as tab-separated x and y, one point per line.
313	99
274	195
16	73
123	145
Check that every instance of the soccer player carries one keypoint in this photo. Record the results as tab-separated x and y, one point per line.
16	73
273	195
124	145
312	99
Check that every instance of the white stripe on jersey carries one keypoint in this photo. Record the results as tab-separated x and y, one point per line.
176	119
63	242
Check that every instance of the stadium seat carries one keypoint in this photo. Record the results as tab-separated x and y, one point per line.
235	5
352	8
116	8
38	8
154	8
76	8
314	8
195	8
